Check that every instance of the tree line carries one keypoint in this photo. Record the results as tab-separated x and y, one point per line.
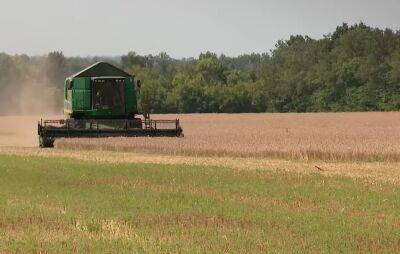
355	68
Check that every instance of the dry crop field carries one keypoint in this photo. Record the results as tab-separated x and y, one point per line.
146	201
337	136
18	131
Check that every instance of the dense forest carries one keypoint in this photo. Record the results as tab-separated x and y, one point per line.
355	68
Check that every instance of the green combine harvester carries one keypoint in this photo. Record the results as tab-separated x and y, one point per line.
101	101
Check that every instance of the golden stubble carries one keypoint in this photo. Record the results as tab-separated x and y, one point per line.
373	172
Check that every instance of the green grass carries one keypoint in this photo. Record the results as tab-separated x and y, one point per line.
64	205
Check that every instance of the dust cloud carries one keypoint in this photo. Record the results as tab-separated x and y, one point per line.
20	131
35	100
30	99
22	105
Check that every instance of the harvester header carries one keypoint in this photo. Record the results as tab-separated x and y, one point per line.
101	101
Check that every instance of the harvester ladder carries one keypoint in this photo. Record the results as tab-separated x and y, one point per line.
147	123
95	126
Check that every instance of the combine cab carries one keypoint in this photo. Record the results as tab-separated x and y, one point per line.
101	101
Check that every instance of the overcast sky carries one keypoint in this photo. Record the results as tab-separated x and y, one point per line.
182	28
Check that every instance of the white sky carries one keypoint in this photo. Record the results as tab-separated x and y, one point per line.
182	28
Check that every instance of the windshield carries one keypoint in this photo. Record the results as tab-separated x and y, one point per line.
108	93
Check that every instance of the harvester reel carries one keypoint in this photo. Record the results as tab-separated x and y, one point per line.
50	130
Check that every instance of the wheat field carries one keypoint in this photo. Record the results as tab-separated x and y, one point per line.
336	136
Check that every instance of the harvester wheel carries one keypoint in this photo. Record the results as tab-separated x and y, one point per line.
137	123
46	142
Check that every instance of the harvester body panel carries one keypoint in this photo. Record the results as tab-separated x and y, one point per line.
88	93
101	101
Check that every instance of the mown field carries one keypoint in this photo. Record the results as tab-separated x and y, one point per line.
55	205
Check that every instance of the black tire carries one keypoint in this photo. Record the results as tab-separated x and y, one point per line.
136	123
46	142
